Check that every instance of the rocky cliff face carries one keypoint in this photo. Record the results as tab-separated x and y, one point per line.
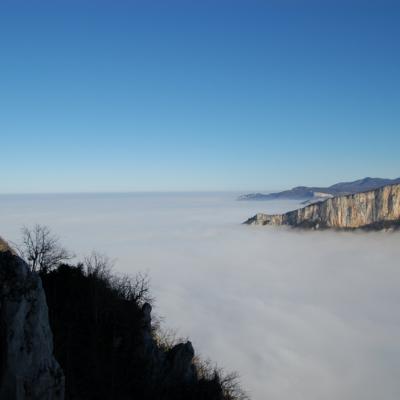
28	369
375	209
175	366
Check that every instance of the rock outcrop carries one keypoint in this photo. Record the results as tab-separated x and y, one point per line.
173	366
28	369
375	209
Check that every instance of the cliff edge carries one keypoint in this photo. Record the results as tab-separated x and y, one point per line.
28	369
78	332
375	209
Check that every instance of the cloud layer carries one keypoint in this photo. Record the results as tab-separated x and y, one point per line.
301	315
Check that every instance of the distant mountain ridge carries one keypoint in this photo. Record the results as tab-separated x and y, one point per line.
375	210
322	193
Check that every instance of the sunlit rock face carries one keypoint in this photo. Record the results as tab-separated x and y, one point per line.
28	369
375	209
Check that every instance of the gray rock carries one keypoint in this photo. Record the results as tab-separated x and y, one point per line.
28	369
146	310
174	366
181	362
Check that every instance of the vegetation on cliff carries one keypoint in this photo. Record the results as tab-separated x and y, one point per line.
105	340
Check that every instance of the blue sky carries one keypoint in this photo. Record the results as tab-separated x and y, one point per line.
190	95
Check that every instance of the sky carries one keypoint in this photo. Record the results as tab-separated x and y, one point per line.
197	95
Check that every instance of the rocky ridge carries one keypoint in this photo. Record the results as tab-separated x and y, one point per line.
375	209
314	194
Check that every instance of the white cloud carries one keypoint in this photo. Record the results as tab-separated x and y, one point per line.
300	315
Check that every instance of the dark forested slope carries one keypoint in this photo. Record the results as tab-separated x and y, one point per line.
105	344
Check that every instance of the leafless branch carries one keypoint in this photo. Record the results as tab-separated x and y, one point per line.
42	249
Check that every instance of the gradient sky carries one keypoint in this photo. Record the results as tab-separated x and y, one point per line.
197	95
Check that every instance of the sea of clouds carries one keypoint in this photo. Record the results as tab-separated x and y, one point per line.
300	315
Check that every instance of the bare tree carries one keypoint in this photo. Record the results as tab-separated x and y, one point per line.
229	382
98	265
42	249
231	386
166	338
132	288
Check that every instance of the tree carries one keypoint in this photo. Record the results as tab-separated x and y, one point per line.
42	249
131	288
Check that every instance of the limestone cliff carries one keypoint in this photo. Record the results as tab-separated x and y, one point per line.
28	369
375	209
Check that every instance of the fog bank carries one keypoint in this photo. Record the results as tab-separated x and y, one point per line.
300	315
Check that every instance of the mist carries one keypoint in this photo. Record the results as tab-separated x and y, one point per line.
300	315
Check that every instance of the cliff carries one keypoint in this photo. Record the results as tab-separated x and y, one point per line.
28	369
105	342
374	209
